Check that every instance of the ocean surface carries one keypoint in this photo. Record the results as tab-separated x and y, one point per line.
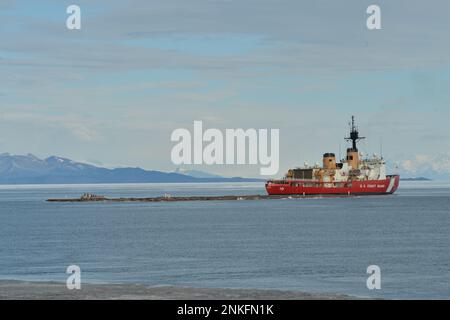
312	245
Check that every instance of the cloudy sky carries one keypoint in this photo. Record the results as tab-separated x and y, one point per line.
112	92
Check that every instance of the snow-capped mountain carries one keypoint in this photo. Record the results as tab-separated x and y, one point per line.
29	169
435	166
197	173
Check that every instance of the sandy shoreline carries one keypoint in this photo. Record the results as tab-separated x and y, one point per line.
19	290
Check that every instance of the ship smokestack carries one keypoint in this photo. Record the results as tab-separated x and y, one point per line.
353	158
329	161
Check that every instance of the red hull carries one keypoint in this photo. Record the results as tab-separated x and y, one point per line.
305	187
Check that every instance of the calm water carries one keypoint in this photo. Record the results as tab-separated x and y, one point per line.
315	245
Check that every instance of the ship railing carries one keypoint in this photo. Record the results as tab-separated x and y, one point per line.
312	183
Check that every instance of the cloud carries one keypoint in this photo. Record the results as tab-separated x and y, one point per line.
293	36
139	69
79	128
423	164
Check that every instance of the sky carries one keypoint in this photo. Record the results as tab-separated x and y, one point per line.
111	93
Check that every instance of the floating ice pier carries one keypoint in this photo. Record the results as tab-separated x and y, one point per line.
169	198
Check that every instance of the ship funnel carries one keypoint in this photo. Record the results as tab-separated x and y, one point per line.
353	158
329	161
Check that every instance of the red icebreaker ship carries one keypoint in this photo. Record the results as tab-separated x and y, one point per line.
352	176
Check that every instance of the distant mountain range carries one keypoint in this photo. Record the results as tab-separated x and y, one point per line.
197	173
28	169
415	179
433	166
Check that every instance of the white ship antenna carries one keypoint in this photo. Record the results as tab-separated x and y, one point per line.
381	148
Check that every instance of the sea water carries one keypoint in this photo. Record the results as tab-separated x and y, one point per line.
314	245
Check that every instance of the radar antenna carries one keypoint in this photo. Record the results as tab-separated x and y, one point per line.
354	134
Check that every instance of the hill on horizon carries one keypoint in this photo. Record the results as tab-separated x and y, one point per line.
29	169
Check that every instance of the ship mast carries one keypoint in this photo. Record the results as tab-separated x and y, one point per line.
354	134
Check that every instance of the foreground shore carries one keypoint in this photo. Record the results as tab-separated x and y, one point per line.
22	290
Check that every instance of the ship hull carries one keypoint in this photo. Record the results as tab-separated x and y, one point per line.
308	187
